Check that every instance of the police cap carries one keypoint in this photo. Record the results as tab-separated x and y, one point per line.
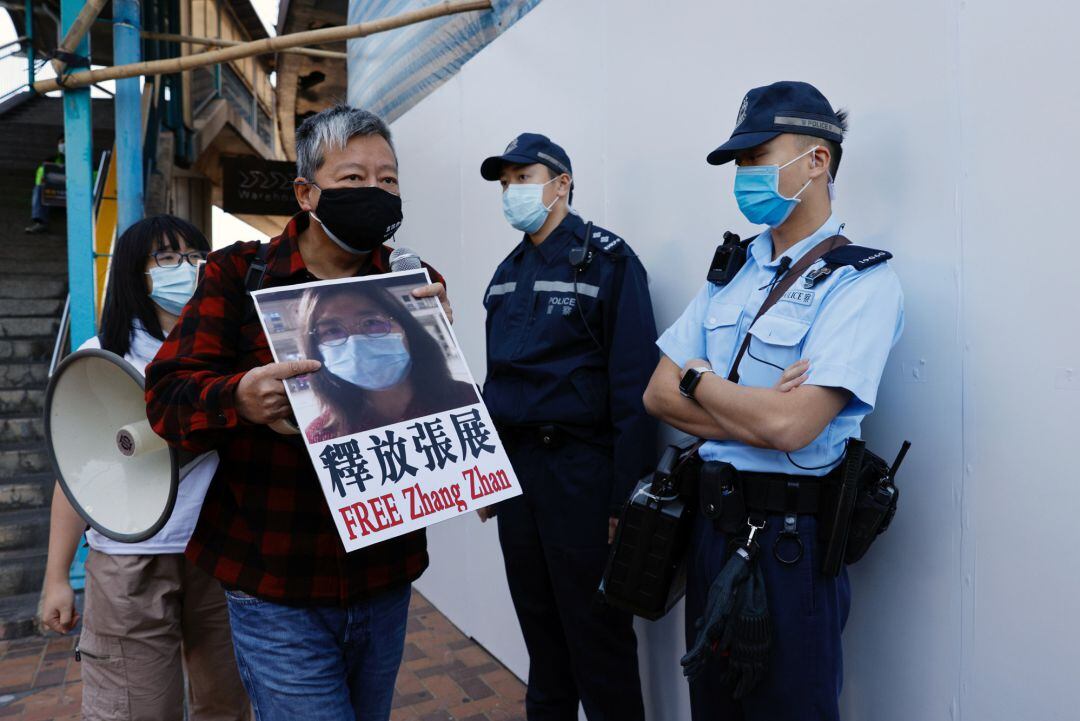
526	149
784	107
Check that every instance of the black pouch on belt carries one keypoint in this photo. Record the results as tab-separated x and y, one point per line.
646	567
859	505
721	497
875	503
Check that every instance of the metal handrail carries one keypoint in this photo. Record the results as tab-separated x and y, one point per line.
61	336
17	41
13	92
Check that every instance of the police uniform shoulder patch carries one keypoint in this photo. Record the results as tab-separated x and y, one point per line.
857	256
607	242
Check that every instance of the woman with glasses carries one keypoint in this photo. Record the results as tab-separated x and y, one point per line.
150	614
380	366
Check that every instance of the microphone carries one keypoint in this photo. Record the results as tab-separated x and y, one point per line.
403	258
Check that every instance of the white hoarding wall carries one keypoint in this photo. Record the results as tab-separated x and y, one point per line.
960	160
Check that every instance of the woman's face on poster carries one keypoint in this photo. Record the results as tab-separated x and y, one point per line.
361	343
344	316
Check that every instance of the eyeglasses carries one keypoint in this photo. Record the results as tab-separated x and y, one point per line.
334	332
172	258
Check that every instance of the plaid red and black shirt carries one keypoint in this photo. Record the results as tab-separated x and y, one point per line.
265	527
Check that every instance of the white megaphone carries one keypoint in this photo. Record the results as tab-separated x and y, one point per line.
119	475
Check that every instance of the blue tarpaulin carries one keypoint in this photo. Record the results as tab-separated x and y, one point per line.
393	71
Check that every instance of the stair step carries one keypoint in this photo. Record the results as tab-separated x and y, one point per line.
24	375
23	327
19	615
18	459
22	428
50	245
43	266
48	248
34	286
24	529
28	491
26	400
29	307
26	349
21	571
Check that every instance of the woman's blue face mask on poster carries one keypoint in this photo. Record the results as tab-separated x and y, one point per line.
373	364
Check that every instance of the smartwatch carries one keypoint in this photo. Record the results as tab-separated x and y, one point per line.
690	380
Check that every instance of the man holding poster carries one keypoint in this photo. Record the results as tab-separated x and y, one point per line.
570	335
318	631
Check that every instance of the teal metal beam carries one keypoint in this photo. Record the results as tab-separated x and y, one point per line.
30	42
78	137
127	48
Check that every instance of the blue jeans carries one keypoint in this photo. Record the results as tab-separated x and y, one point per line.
38	210
317	663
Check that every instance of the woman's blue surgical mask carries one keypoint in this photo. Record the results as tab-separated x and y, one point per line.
523	205
374	364
172	288
757	190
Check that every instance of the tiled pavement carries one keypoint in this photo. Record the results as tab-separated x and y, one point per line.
444	677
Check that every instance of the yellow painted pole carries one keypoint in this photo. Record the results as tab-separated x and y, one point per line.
104	233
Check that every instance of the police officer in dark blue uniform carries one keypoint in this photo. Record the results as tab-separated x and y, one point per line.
571	346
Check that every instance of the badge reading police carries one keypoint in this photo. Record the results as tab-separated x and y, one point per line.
742	110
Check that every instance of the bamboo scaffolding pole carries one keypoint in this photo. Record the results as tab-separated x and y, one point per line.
261	47
75	33
222	43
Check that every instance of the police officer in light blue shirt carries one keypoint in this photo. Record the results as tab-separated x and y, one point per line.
570	348
835	326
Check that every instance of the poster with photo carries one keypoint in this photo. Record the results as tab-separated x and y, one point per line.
395	427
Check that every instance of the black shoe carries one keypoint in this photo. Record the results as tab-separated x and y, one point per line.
36	228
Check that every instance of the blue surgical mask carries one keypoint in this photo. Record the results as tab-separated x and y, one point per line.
172	288
757	190
523	206
374	364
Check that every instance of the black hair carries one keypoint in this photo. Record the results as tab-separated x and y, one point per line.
429	374
835	149
126	297
553	173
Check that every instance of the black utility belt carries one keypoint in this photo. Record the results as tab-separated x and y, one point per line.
728	493
854	503
550	435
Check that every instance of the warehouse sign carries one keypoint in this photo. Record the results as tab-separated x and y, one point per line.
258	187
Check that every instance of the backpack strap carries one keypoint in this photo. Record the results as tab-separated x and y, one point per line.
256	272
781	286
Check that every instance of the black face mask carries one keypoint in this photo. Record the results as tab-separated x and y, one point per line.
359	220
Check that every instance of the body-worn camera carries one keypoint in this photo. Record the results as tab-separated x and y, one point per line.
728	259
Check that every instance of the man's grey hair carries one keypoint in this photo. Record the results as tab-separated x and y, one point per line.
331	129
